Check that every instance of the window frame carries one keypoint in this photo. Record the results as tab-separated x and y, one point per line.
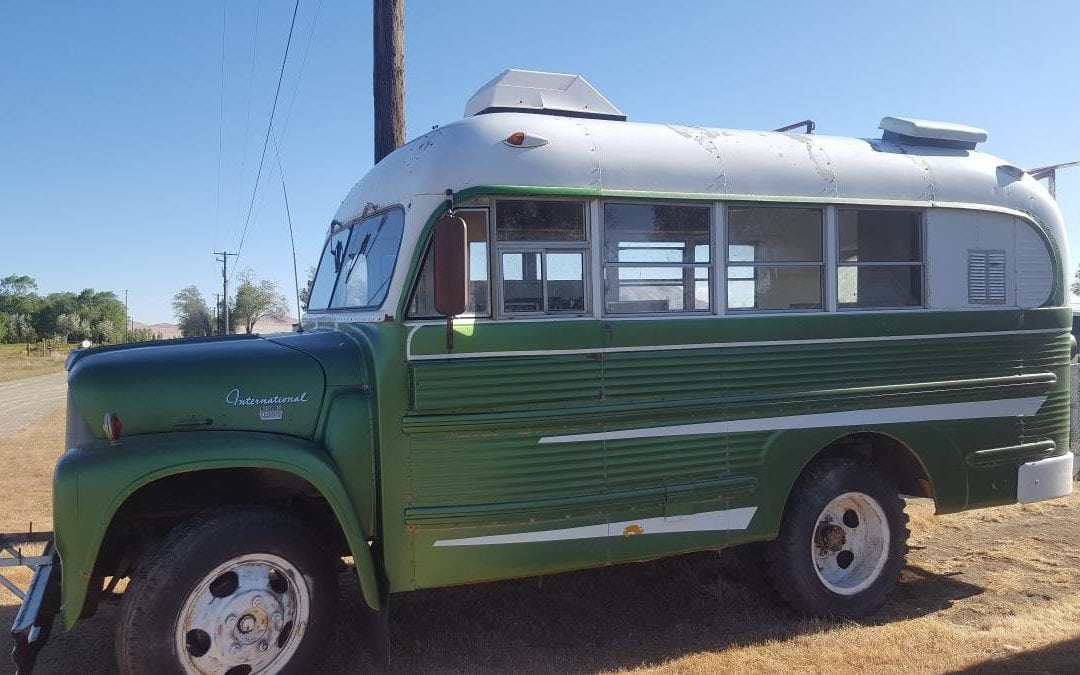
921	264
603	265
414	287
350	225
822	265
496	248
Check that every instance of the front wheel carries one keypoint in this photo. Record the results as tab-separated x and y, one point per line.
842	542
239	591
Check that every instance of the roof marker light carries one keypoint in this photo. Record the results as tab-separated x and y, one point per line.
520	139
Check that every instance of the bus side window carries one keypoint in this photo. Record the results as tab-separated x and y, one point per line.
880	259
542	256
422	305
656	258
775	258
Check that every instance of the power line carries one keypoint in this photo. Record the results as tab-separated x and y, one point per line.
247	122
300	76
278	137
269	128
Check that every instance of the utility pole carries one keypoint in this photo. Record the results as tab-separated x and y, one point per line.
127	318
224	260
217	310
388	75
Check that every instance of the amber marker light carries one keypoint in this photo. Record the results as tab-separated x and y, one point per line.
516	138
112	426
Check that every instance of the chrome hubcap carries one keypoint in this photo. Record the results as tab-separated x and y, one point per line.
850	543
246	616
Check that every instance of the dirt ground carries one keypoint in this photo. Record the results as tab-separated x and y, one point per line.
986	591
28	400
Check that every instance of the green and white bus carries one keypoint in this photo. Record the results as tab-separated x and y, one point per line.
546	338
677	338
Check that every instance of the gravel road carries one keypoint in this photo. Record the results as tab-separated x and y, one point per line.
23	402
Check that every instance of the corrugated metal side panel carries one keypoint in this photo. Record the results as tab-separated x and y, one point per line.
682	459
1049	354
794	369
485	467
475	462
498	383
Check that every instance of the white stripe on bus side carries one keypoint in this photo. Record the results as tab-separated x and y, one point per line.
708	521
718	345
971	410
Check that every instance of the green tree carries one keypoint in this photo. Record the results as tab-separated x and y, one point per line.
72	327
19	328
1075	286
144	335
18	295
219	327
105	314
305	292
191	312
256	300
47	318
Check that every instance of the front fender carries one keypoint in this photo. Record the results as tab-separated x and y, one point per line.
92	483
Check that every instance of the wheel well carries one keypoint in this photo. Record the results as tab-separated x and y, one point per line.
154	509
895	460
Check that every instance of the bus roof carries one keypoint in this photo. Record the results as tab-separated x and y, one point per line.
627	159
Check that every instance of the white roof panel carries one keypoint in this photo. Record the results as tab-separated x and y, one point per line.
537	92
917	129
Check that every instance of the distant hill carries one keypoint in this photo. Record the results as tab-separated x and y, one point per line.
167	330
282	323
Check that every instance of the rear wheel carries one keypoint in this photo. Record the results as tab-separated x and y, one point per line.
237	591
842	542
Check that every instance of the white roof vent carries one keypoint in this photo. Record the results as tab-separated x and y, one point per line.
911	131
544	93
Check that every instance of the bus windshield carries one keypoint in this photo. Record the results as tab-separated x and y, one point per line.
357	263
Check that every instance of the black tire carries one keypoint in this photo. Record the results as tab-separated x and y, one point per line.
791	556
146	634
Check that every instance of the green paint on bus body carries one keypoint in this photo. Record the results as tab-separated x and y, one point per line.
419	449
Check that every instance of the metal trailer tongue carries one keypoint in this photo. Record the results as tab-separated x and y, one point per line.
41	599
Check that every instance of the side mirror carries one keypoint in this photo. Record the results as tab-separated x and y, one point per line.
449	246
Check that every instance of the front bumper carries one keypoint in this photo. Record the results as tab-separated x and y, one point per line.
1045	479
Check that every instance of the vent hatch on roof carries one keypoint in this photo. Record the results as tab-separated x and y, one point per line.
986	277
544	93
911	131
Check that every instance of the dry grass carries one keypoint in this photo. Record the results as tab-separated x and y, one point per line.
989	591
16	365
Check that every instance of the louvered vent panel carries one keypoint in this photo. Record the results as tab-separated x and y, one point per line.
986	277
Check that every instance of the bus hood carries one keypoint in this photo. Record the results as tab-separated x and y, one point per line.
237	383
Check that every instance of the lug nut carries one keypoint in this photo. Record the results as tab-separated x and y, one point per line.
263	646
256	601
235	649
277	619
231	620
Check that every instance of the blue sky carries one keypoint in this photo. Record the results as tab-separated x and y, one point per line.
110	112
